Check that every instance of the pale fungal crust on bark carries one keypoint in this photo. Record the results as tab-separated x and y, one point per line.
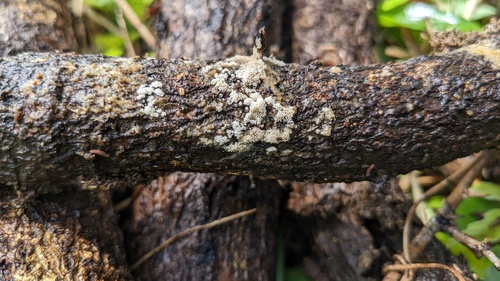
237	81
325	118
245	114
490	54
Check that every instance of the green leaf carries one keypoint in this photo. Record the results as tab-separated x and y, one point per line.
486	228
483	11
387	5
489	189
140	7
100	4
472	209
414	15
479	266
459	8
435	202
397	18
461	25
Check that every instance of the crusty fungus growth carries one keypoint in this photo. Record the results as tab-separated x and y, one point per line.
250	85
325	117
147	94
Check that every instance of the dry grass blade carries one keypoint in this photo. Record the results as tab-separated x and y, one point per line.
124	32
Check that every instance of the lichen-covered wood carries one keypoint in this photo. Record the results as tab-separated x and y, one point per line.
247	115
246	248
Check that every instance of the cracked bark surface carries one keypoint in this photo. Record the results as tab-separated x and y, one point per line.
71	235
36	26
239	250
246	115
67	235
209	29
335	31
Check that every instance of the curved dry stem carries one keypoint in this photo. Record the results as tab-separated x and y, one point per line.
452	180
136	22
401	267
188	231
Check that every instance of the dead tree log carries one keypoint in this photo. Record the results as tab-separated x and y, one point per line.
66	116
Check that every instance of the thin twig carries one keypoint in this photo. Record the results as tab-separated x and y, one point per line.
124	33
427	232
401	267
478	248
100	20
136	22
188	231
451	180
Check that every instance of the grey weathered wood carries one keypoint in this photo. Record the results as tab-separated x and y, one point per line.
62	115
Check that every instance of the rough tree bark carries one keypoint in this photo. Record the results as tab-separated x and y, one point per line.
71	235
335	32
98	137
36	26
63	115
209	29
241	250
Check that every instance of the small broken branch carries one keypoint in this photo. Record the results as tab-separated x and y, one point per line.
245	115
419	242
479	249
450	181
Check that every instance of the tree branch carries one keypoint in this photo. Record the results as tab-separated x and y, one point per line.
247	115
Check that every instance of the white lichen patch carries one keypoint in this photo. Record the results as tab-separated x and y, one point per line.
240	81
147	96
324	120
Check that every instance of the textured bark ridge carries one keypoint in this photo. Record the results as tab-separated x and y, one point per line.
35	25
240	250
334	31
67	116
209	29
71	235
